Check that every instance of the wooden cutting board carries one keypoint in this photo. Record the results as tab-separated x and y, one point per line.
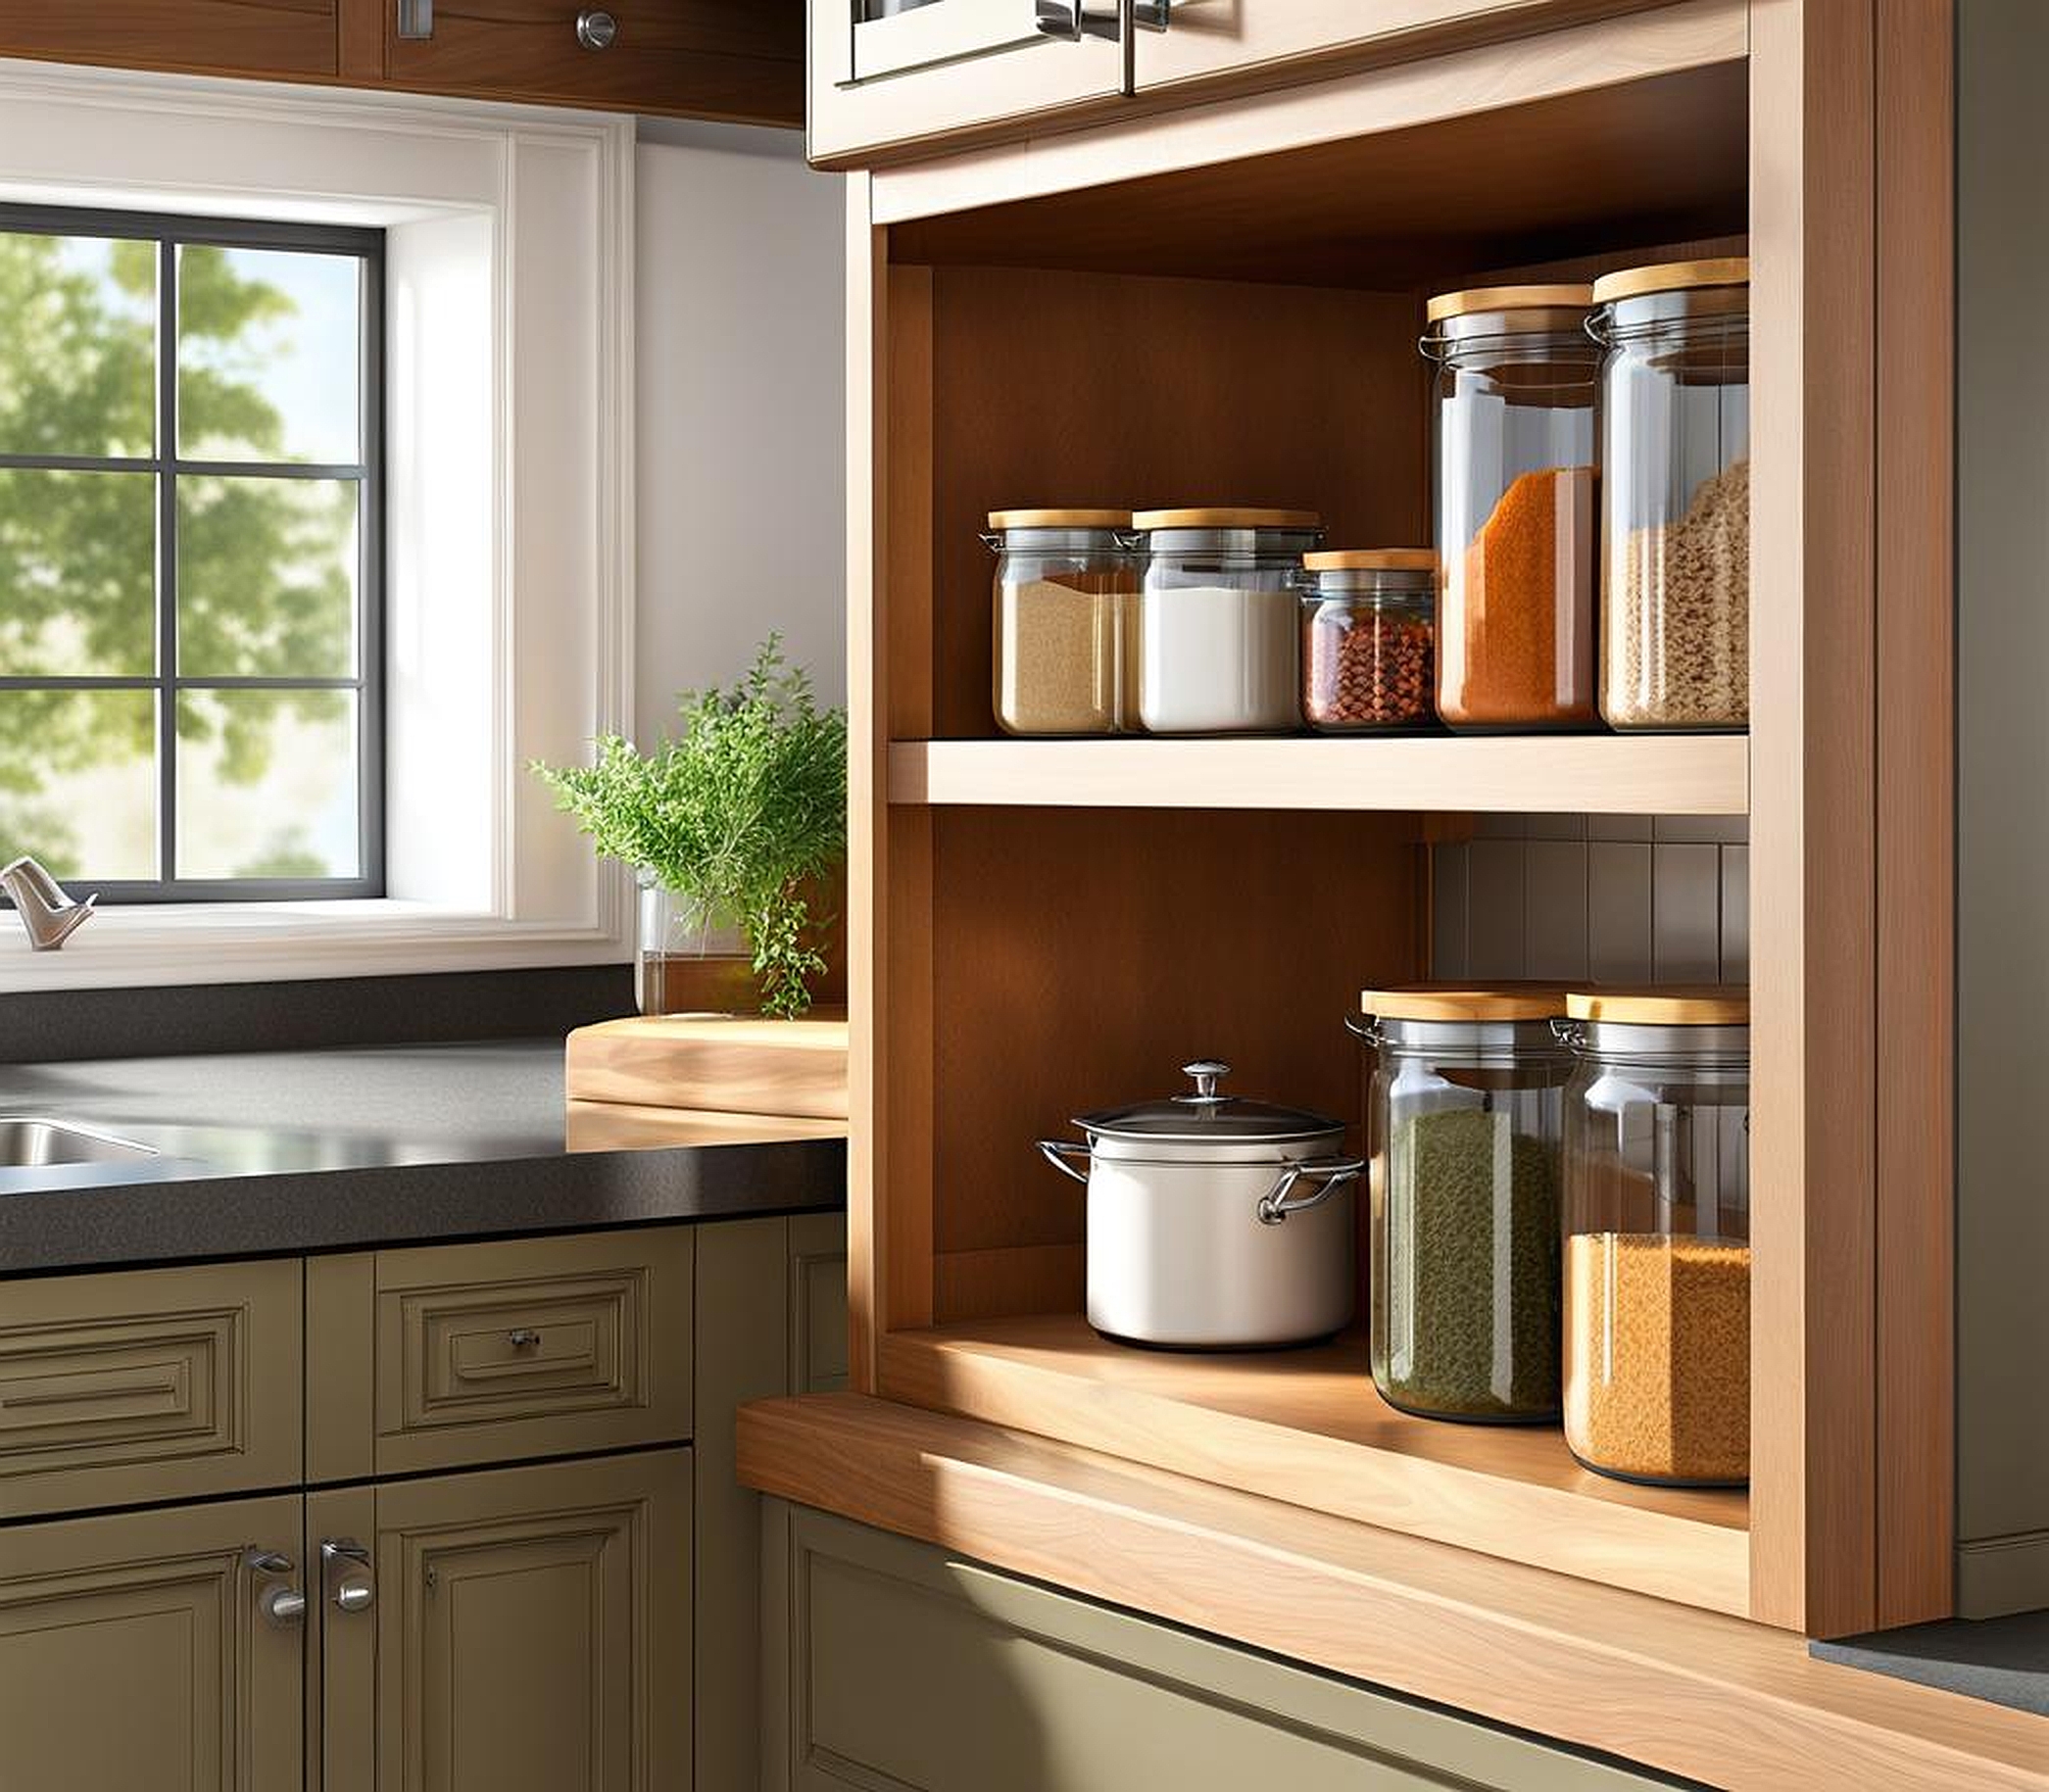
743	1065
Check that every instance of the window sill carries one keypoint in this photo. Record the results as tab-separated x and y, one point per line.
207	943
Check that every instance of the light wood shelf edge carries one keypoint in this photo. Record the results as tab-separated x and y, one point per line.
1688	1692
1500	1491
1590	774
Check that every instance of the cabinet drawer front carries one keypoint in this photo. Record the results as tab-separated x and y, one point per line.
538	1347
148	1385
905	1666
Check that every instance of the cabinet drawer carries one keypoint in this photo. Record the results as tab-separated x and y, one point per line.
475	1353
149	1385
892	1662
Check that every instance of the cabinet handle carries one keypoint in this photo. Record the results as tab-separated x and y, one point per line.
1153	15
523	1338
282	1606
354	1588
416	18
596	30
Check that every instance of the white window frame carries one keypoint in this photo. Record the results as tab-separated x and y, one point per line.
508	470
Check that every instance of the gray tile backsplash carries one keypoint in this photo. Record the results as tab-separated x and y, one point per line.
1602	898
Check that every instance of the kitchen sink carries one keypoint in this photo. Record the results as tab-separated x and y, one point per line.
31	1143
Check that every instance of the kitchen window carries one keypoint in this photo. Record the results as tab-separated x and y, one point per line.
191	555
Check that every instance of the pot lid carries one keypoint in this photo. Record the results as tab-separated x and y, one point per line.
1205	1116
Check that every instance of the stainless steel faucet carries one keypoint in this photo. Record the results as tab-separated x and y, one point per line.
50	916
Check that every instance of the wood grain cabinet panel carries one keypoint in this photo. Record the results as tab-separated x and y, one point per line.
712	59
149	1386
532	1632
133	1657
285	38
532	1348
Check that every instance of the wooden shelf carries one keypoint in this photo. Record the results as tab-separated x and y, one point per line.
1534	774
1307	1427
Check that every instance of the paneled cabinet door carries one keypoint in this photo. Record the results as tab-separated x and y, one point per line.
291	39
152	1652
885	74
1198	40
508	1630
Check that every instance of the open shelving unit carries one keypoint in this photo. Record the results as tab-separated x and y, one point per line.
1222	307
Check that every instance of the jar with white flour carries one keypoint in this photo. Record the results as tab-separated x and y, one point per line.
1218	631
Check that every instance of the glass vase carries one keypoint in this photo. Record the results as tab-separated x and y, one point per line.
693	956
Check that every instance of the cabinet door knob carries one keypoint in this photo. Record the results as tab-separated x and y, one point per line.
354	1589
523	1338
281	1606
595	29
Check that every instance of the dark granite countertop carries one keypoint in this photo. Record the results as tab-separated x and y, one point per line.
2005	1659
269	1152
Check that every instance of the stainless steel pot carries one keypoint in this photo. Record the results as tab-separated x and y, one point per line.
1215	1223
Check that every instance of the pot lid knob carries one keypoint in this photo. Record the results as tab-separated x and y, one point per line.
1205	1072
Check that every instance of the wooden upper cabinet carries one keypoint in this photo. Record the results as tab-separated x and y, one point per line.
1257	42
889	77
291	39
735	60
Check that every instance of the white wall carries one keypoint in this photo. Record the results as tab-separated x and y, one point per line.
741	350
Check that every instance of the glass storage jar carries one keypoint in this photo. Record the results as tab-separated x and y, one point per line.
1676	495
1066	617
1515	488
1369	621
1657	1237
1463	1125
1217	650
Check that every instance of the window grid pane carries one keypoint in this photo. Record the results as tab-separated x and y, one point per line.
269	744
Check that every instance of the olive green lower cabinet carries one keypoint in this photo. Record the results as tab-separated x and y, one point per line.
508	1630
459	1518
893	1666
135	1653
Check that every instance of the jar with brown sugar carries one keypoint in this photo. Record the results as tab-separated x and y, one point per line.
1065	623
1515	492
1657	1236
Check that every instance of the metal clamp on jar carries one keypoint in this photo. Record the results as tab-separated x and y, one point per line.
1215	1223
1468	1093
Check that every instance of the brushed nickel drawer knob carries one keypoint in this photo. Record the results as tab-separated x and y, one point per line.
523	1338
596	30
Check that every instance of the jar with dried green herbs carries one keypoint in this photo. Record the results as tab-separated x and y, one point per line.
1065	625
1465	1114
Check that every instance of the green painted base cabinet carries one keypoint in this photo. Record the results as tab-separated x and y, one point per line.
503	1550
894	1666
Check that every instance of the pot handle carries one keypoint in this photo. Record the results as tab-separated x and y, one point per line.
1056	1151
1333	1172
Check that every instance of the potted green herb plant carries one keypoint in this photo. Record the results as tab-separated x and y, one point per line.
727	824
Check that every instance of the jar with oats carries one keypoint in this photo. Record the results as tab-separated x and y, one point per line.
1676	495
1657	1236
1515	488
1368	628
1066	599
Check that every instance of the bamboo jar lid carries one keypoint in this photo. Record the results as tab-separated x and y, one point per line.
1452	1002
1449	304
1672	276
1701	1005
1227	518
1371	560
1059	519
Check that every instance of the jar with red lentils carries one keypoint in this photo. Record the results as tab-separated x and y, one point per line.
1369	639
